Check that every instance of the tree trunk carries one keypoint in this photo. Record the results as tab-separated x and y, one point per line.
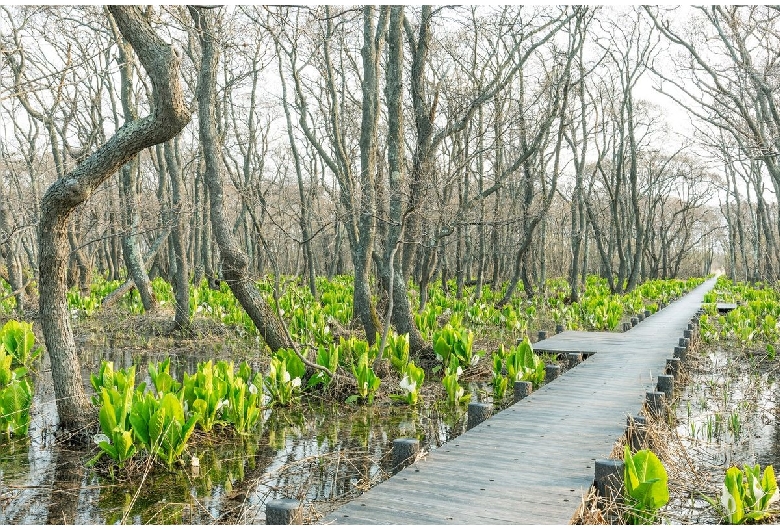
181	276
234	261
130	250
169	117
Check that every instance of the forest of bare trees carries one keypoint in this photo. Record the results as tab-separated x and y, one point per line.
485	145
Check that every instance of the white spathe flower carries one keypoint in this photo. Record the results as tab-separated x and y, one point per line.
758	491
296	382
408	385
252	388
285	377
459	372
474	360
728	501
223	403
101	438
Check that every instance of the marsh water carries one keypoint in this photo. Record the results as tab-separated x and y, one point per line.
727	415
324	452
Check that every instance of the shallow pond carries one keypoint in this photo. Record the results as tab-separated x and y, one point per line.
727	415
324	452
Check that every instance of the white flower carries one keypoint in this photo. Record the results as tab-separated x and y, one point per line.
459	372
285	377
326	329
728	501
296	382
101	438
223	403
474	360
408	385
252	388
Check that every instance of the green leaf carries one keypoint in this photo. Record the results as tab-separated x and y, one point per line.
109	449
442	349
107	415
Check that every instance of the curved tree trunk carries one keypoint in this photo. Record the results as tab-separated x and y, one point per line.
169	116
235	266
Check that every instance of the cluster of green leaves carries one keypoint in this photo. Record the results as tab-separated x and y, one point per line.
456	395
453	346
412	377
747	494
519	364
755	318
283	382
17	355
7	299
645	485
454	342
522	364
363	356
160	422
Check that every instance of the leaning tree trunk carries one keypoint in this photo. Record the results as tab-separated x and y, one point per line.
130	248
168	117
235	266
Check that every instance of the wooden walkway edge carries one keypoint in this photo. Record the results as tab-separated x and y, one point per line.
532	462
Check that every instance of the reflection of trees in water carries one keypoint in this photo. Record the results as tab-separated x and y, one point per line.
65	490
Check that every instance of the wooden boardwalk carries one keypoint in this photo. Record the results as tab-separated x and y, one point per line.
532	462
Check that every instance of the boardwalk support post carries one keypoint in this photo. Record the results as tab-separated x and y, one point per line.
559	328
573	359
634	321
404	452
542	335
283	511
656	403
523	389
666	385
551	373
626	326
681	353
636	432
673	367
640	316
684	342
609	479
647	313
478	412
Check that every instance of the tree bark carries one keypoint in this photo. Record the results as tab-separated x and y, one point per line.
181	277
